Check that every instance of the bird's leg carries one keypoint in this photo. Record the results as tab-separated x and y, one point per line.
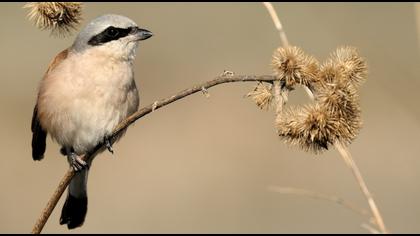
76	161
108	145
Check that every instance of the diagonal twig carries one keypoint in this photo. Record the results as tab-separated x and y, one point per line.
225	78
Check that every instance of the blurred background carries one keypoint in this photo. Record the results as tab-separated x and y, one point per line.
204	165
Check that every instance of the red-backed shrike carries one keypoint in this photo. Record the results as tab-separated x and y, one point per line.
86	92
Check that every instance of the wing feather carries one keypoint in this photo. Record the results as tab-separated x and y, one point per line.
39	135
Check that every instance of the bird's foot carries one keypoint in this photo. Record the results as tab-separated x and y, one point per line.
108	145
76	162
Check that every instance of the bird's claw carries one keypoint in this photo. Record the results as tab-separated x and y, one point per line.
109	146
77	163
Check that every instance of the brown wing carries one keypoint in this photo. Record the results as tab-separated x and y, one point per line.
60	57
39	135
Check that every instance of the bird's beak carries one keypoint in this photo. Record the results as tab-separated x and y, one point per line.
141	34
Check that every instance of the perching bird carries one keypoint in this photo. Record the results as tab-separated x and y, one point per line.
87	90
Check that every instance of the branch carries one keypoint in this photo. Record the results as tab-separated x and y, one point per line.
311	194
225	78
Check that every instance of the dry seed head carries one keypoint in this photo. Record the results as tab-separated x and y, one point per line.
352	65
335	116
339	99
262	96
342	103
311	128
59	17
330	73
292	67
348	129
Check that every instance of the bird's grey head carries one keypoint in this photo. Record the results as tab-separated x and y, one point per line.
115	35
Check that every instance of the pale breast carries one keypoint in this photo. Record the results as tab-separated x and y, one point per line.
84	98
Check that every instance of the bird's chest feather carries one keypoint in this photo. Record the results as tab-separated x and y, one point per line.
85	99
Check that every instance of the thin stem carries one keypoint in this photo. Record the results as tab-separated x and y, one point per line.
309	92
331	198
311	194
370	229
278	96
277	23
283	38
345	154
45	214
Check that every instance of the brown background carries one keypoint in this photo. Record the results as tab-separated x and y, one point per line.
204	165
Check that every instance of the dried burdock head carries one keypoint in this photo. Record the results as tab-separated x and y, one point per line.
330	73
340	99
336	116
292	67
312	128
59	17
353	67
262	95
342	103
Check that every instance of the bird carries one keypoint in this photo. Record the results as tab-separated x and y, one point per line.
86	91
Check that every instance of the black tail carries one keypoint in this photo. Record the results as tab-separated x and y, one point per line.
39	137
74	211
75	208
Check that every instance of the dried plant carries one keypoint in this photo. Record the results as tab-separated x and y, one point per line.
329	73
335	118
262	96
342	102
312	128
59	17
353	67
292	67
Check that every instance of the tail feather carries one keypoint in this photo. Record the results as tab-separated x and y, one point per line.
75	208
39	137
74	212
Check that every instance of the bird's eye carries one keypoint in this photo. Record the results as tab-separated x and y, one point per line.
112	32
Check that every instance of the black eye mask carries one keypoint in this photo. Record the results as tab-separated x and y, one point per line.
109	34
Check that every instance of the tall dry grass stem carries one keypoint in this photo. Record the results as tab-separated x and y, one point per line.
342	149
